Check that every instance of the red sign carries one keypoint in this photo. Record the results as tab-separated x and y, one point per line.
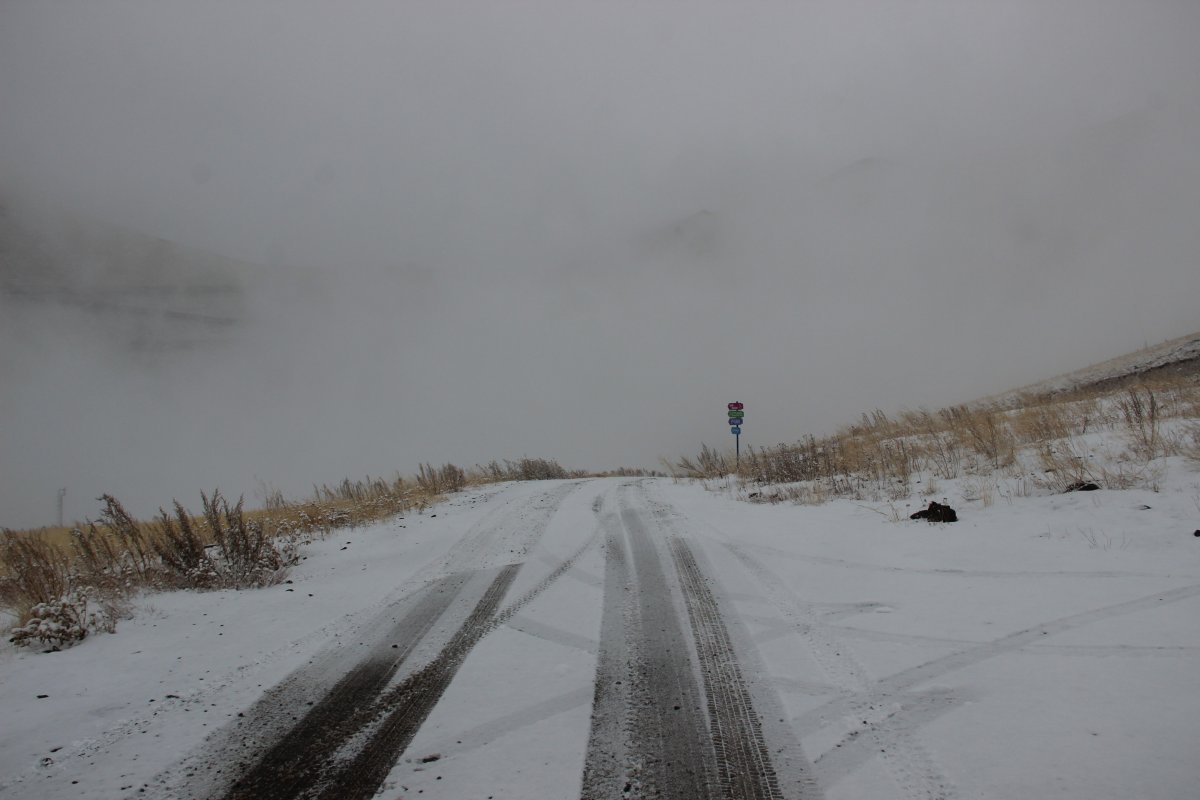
736	406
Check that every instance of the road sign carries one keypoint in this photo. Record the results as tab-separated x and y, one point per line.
737	418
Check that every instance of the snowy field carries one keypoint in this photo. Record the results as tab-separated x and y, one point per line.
1044	646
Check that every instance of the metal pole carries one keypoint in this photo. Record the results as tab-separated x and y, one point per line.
62	493
737	453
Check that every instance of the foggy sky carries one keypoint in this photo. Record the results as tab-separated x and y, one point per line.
483	230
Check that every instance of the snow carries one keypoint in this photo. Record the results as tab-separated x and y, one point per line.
1042	646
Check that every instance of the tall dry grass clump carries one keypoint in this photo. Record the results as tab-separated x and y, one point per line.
247	554
708	464
1042	423
1143	416
537	469
982	431
35	572
524	469
182	547
441	480
1190	442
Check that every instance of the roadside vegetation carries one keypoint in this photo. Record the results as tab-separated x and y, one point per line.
60	585
1110	435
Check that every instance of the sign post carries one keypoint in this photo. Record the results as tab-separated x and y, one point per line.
736	417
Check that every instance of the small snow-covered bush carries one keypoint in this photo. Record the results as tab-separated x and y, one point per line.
65	621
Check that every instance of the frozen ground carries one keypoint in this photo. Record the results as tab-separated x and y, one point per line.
655	639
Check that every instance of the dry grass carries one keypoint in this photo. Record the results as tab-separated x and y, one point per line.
61	583
1189	441
1038	444
36	572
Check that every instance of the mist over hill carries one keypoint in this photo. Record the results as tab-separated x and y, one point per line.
288	249
137	293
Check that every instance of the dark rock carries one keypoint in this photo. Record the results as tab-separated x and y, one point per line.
936	513
1081	486
1197	533
431	758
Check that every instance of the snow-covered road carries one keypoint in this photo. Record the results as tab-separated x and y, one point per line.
617	638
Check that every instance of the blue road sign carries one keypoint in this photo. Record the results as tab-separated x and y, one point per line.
736	431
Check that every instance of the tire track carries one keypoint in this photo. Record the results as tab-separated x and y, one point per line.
839	666
935	668
360	777
744	769
298	760
609	750
672	713
506	535
392	722
563	568
354	719
911	767
943	571
649	736
885	706
669	725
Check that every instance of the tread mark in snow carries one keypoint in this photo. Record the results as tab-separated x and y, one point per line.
683	737
911	767
744	767
361	725
292	763
412	701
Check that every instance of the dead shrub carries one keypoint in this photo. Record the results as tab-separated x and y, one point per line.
1067	463
708	464
538	469
247	555
1190	442
1042	423
136	552
183	550
1143	419
982	431
444	480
